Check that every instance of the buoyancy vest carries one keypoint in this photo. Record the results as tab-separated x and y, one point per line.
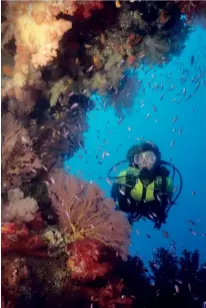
161	184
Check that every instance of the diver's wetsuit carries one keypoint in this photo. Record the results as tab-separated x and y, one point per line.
154	210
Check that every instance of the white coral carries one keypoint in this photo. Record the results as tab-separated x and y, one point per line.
19	208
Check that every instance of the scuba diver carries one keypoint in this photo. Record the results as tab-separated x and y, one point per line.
145	188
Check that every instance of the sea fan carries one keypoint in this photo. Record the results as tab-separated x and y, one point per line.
84	212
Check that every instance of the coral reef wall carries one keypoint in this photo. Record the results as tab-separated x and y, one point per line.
63	242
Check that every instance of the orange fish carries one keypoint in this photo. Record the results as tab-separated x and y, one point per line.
8	70
117	3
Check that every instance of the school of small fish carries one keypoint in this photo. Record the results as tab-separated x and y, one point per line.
182	97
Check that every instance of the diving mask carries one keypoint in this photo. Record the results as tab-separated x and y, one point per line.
145	160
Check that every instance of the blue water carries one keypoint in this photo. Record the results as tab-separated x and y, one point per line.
178	97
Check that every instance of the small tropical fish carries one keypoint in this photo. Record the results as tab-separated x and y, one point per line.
193	193
141	55
117	3
154	214
74	106
122	190
192	59
184	91
154	108
165	233
197	85
193	232
191	222
161	97
90	68
177	289
8	70
70	94
45	168
172	143
180	130
148	115
128	201
148	236
174	119
189	287
137	231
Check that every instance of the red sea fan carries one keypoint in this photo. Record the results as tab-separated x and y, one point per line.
84	212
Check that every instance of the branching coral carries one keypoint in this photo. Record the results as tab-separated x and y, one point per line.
19	162
84	212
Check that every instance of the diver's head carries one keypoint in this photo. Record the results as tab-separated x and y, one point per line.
144	156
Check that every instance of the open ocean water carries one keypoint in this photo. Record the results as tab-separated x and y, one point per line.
177	89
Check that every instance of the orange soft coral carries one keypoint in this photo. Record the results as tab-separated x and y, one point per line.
37	33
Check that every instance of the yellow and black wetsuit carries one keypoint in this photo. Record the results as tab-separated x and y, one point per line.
141	196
